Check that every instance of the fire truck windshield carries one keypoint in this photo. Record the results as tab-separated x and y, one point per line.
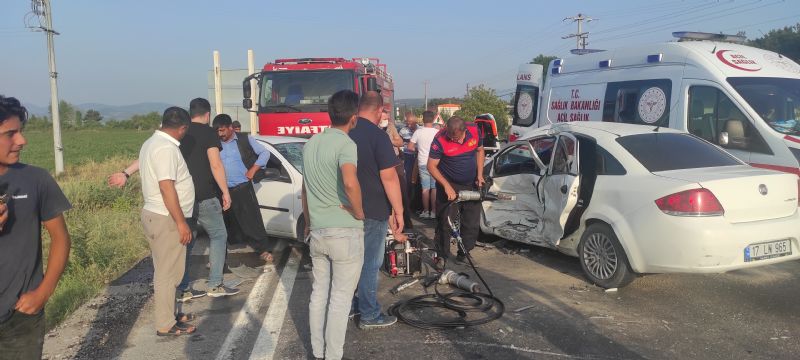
302	91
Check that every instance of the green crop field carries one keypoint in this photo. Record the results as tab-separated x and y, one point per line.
104	223
81	146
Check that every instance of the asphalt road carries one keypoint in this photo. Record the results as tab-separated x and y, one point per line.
749	314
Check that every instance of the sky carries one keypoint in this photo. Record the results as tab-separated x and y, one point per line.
127	52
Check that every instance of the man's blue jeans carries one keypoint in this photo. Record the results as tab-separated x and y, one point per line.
209	216
374	249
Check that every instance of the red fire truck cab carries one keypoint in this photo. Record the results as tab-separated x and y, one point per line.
294	93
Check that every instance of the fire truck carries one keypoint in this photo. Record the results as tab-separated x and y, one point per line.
293	96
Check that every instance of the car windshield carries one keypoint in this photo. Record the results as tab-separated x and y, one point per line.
292	151
302	91
674	151
776	100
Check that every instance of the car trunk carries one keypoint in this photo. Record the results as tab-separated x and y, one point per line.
739	189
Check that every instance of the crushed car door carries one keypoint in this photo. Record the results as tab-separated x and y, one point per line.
559	189
515	172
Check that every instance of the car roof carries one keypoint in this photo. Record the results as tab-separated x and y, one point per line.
279	139
600	129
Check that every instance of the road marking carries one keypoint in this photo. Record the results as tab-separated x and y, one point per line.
248	314
506	347
264	348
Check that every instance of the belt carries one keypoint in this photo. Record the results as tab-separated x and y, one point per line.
240	186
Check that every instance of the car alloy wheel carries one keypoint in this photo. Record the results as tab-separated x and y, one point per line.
603	258
600	257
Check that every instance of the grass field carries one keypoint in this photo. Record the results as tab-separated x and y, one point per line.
104	223
81	146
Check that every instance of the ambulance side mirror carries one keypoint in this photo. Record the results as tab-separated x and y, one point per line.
247	103
723	138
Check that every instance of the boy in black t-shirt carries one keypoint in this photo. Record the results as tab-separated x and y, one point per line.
31	199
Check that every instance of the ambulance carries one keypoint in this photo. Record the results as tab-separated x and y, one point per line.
743	99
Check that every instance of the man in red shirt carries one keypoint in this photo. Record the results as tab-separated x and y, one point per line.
456	162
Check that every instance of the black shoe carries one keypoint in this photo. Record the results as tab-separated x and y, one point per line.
462	260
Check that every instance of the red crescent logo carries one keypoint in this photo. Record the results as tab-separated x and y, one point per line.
721	57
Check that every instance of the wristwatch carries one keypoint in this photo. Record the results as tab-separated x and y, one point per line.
127	176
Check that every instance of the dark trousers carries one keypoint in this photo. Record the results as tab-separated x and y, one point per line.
404	187
408	165
469	220
244	221
22	337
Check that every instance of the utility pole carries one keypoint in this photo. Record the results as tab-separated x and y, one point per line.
426	94
251	68
580	37
217	85
46	11
467	93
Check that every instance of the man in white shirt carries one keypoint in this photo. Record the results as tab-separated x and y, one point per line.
421	143
168	201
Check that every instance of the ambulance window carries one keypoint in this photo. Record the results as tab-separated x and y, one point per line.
645	102
715	118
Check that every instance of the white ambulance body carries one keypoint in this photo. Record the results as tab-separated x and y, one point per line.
744	99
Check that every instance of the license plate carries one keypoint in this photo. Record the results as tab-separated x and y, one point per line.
767	250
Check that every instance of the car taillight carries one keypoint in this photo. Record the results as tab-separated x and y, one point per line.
512	137
695	202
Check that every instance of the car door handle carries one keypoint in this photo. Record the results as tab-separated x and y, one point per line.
564	189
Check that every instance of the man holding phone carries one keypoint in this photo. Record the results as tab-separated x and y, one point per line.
32	200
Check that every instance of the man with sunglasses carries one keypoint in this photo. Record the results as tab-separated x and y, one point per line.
456	160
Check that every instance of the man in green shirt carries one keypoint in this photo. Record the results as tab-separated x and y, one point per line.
334	214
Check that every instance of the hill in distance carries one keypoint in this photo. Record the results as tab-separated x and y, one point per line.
109	112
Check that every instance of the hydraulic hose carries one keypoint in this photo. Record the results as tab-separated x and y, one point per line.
461	304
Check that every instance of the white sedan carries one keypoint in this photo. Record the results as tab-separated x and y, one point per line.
279	194
630	199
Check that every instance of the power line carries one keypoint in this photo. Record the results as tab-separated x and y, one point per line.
693	20
742	27
656	19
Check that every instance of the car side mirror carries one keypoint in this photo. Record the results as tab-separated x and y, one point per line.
247	103
723	138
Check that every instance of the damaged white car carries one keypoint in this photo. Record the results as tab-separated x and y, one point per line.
632	199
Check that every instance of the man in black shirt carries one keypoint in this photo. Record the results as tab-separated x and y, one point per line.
31	199
201	150
382	202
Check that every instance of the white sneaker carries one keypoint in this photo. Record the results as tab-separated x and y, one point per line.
427	215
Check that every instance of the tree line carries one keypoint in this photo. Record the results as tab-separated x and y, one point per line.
72	118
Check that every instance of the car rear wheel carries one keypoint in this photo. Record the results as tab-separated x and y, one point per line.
603	259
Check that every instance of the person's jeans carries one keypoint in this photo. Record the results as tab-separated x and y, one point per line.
425	178
22	336
409	159
337	255
209	216
374	249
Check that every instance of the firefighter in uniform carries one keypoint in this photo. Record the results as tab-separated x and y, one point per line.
456	162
